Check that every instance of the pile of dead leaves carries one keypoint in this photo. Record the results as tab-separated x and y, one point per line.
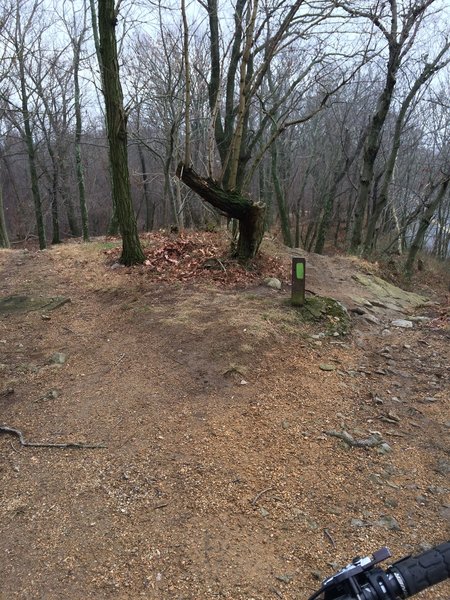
199	256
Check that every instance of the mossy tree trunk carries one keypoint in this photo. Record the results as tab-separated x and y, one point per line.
113	225
250	214
116	118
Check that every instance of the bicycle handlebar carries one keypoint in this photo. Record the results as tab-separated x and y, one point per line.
363	580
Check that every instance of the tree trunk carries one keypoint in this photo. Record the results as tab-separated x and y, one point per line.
117	135
251	215
66	198
4	240
113	225
372	145
424	224
149	205
281	200
56	236
429	70
78	130
31	156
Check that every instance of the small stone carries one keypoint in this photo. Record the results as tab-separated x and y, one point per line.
402	323
391	503
285	424
423	500
372	319
384	448
284	578
335	510
273	283
376	479
444	511
436	489
358	523
388	522
325	367
59	358
425	546
263	512
46	317
443	467
427	400
116	266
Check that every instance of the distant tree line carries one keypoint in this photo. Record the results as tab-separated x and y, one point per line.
326	121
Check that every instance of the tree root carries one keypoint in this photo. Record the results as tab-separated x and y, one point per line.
370	442
23	442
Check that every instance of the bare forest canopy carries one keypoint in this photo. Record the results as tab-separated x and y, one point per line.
328	121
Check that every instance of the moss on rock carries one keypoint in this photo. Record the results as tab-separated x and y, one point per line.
327	310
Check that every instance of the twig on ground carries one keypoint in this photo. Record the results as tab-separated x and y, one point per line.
259	494
221	264
13	447
329	537
23	442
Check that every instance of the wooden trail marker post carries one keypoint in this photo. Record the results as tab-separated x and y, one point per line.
298	281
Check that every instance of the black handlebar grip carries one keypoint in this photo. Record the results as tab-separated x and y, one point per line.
425	570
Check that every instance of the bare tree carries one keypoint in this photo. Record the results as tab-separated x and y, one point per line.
116	117
20	34
399	26
429	70
260	34
77	28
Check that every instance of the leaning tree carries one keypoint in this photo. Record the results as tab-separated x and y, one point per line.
263	37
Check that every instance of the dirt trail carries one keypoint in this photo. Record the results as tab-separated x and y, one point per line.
218	479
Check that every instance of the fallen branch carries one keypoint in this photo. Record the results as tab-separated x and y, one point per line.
370	442
23	442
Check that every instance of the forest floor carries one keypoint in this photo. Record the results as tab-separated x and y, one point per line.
214	399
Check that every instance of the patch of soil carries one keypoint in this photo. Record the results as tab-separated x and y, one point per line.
214	399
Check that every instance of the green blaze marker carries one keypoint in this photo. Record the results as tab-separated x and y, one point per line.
298	282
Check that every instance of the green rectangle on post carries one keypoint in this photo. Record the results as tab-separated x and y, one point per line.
298	281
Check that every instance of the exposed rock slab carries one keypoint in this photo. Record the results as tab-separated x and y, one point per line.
388	294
